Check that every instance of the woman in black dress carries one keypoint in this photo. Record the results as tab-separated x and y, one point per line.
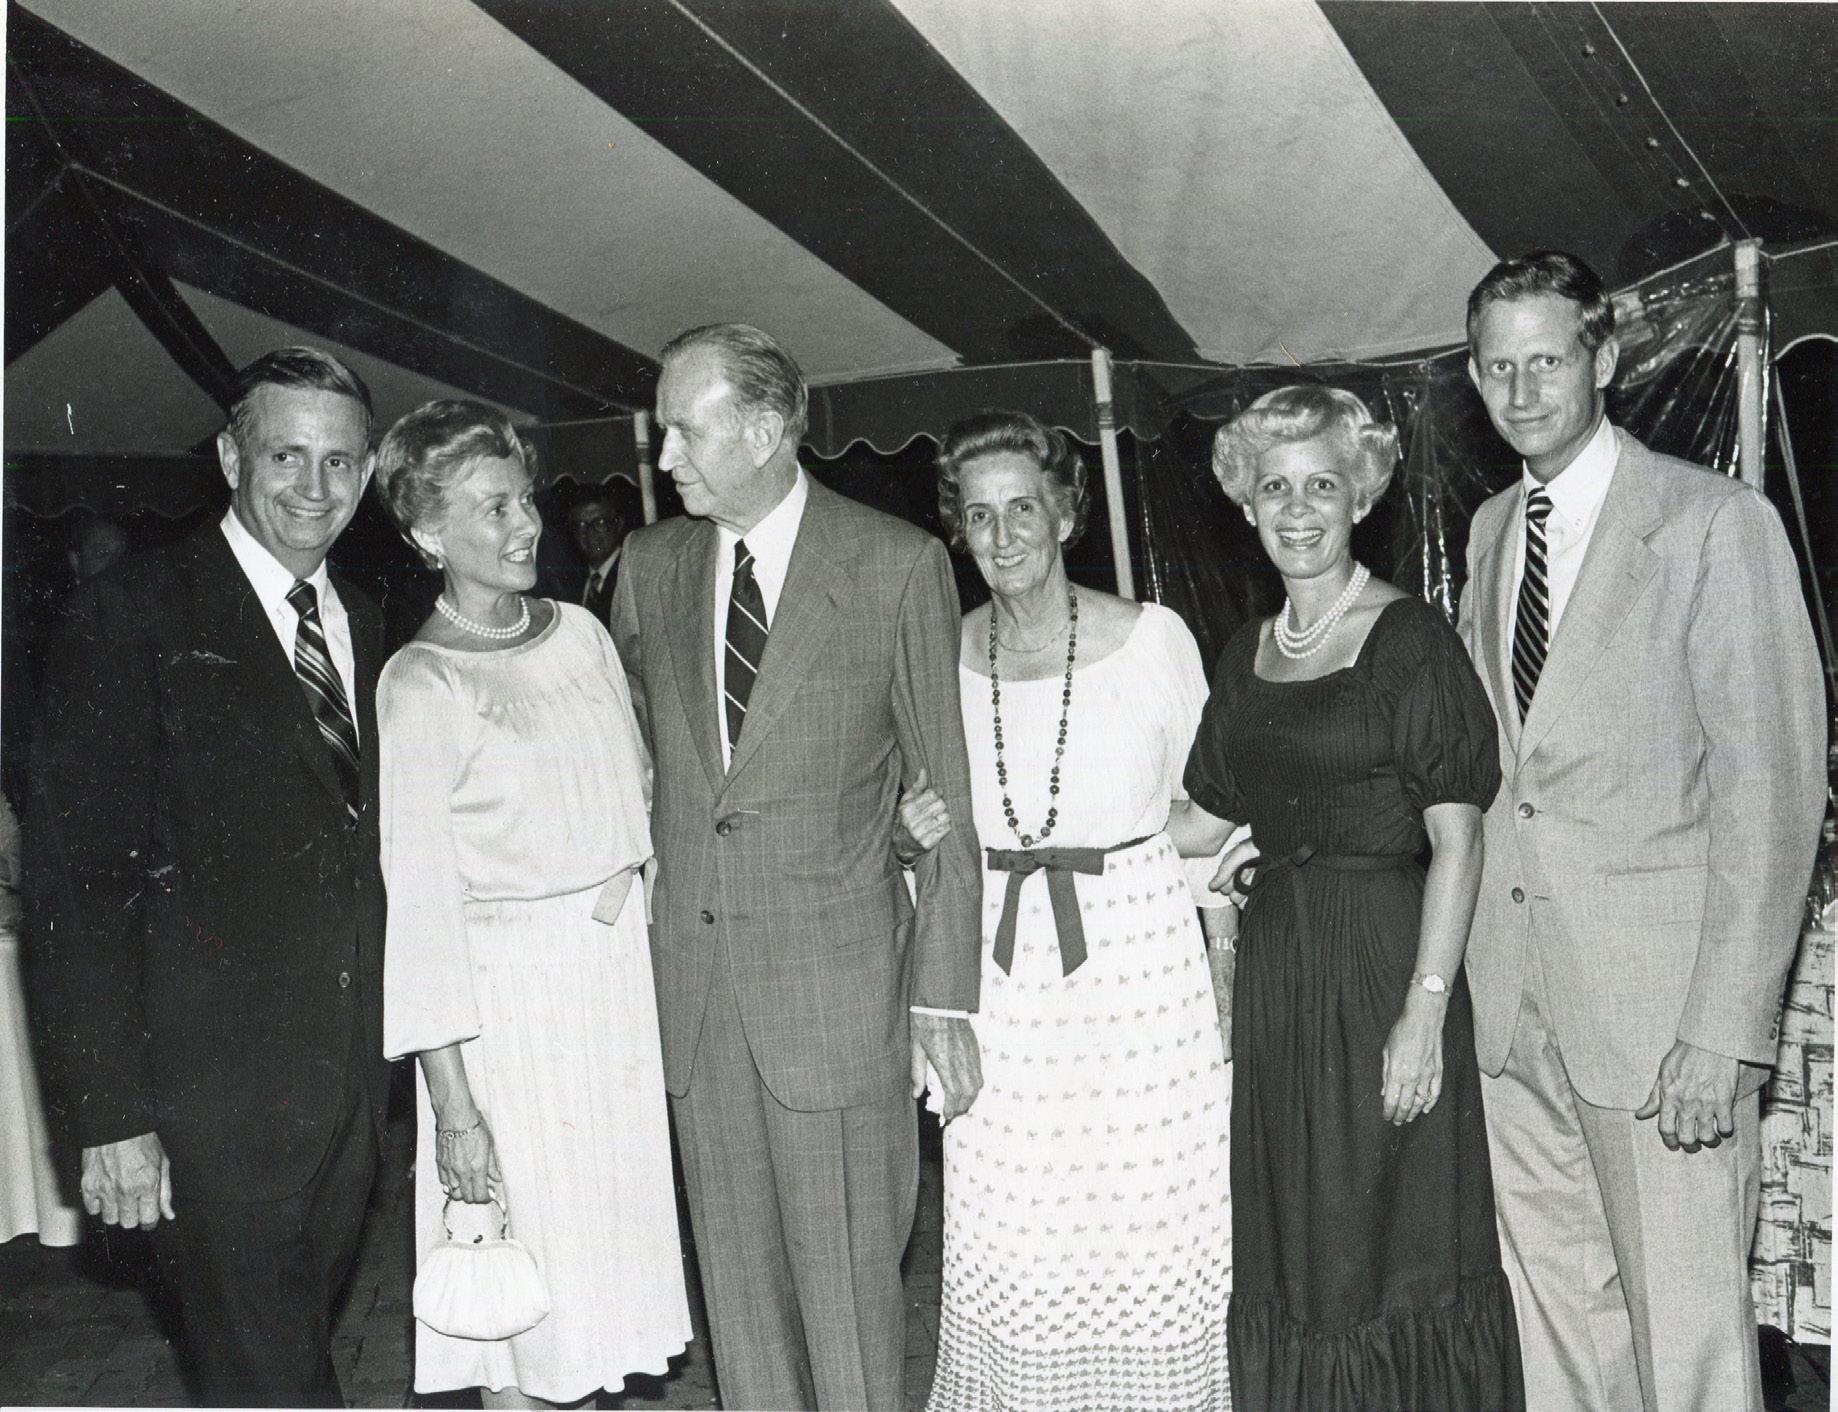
1351	733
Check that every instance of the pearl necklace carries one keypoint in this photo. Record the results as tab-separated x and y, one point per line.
1297	645
461	621
1059	751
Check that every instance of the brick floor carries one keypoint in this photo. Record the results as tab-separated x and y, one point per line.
90	1326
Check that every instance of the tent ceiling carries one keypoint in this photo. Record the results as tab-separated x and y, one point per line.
524	199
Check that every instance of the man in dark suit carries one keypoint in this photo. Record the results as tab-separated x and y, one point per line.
597	524
207	904
793	659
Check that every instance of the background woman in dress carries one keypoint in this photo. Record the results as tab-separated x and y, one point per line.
513	811
1350	732
1087	1240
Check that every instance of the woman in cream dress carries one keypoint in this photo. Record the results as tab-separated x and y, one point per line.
518	970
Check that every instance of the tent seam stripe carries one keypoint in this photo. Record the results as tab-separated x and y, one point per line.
321	280
883	176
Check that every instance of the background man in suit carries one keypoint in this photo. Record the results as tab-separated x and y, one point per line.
208	905
1639	626
793	658
598	523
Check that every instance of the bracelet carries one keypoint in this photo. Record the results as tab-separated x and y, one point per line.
451	1134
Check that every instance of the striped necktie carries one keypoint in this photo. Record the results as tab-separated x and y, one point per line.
1532	629
746	639
325	694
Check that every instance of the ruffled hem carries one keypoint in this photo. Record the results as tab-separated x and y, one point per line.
1460	1357
979	1371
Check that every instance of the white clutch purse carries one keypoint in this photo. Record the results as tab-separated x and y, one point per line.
479	1283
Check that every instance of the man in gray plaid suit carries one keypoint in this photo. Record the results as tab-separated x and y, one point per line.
793	660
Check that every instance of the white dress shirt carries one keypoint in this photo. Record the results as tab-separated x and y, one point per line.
272	581
601	572
1577	493
770	542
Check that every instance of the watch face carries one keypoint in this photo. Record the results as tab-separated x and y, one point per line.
1435	985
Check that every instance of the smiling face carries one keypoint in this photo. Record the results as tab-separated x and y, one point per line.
725	458
596	529
1012	521
1304	507
296	470
1542	387
487	539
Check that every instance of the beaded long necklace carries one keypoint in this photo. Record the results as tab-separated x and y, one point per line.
460	620
1059	750
1297	645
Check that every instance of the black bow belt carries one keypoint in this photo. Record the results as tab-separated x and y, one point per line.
1258	873
1060	865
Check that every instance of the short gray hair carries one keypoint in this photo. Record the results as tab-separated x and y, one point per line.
1301	412
765	378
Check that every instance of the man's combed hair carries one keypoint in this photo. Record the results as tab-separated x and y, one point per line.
305	368
1547	272
763	375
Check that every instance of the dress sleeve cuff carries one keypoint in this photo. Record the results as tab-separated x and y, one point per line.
944	1014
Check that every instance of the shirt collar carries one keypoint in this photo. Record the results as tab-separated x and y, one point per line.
270	579
1577	491
771	540
607	563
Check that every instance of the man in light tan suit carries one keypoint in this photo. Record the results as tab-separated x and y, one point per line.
1639	625
793	660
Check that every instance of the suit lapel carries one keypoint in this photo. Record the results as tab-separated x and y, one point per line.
1615	569
692	648
1492	629
813	588
271	695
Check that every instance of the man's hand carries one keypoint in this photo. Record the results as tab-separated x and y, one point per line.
1695	1098
950	1043
1225	881
923	822
128	1183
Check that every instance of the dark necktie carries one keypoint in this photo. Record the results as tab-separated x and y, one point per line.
746	639
325	694
1532	629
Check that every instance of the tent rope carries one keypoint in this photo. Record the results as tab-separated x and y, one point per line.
1672	127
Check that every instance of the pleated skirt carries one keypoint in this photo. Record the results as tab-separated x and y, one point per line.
569	1075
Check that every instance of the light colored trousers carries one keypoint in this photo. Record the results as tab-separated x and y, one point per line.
1628	1262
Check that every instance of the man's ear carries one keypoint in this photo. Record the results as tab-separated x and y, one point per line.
229	457
764	432
1606	358
1474	373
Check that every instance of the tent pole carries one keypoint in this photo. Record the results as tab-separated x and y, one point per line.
647	477
1113	472
1751	385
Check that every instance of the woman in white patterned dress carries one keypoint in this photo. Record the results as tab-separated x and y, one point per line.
1087	1238
518	968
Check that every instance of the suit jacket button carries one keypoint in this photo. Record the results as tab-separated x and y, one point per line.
1526	811
344	980
1518	894
708	916
724	828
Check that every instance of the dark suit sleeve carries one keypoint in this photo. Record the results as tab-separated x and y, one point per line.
89	837
1756	684
928	716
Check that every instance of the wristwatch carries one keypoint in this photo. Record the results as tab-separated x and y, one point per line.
1434	984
